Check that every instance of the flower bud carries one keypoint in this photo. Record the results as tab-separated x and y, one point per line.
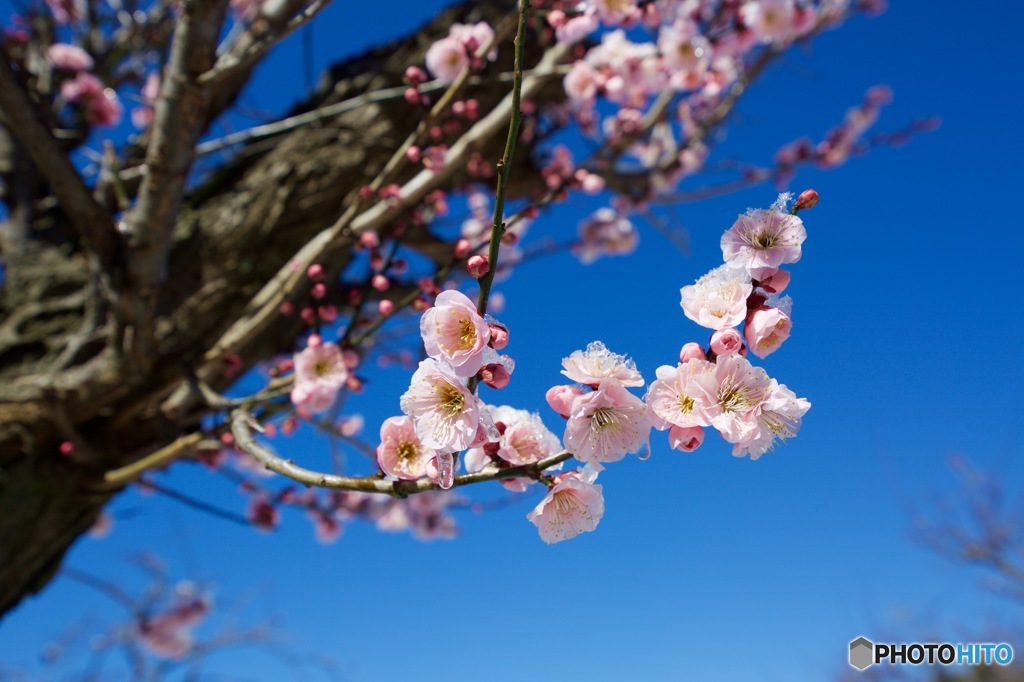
685	438
690	351
560	398
499	336
495	375
776	283
807	199
726	341
477	266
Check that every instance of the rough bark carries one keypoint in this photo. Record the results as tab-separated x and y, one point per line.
62	377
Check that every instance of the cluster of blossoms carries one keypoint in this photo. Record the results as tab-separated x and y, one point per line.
719	387
168	634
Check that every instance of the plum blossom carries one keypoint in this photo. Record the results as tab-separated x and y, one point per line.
100	105
578	27
581	84
69	57
605	233
718	300
685	52
607	424
766	329
677	398
449	56
762	240
168	635
572	506
525	438
445	413
598	363
725	341
454	332
778	419
320	373
736	390
400	453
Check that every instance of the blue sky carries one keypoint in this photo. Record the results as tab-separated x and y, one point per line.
906	340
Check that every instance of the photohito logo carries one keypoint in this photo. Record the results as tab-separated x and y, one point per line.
864	653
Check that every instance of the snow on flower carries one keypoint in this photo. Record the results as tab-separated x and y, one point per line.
607	424
762	240
400	453
572	506
445	414
525	439
778	419
598	363
676	398
736	390
454	332
717	300
319	373
766	329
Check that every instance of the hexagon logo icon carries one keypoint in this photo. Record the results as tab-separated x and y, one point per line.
861	653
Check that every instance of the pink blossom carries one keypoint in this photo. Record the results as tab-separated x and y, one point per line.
677	398
598	363
691	351
326	526
99	104
319	374
607	424
578	27
735	391
725	341
445	414
453	331
446	59
69	57
718	300
685	438
66	11
776	283
778	419
762	240
168	634
766	329
560	398
686	53
581	84
572	506
400	453
473	36
770	20
615	12
262	513
526	439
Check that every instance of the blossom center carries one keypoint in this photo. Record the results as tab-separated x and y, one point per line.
321	368
733	397
466	333
685	404
450	401
764	241
407	452
603	418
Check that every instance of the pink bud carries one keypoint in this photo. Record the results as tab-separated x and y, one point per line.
685	438
556	18
560	398
369	240
308	316
726	342
413	154
495	375
350	358
412	96
315	272
287	308
380	282
807	199
690	351
414	75
314	341
318	291
499	336
462	248
777	283
385	307
327	313
66	448
477	266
